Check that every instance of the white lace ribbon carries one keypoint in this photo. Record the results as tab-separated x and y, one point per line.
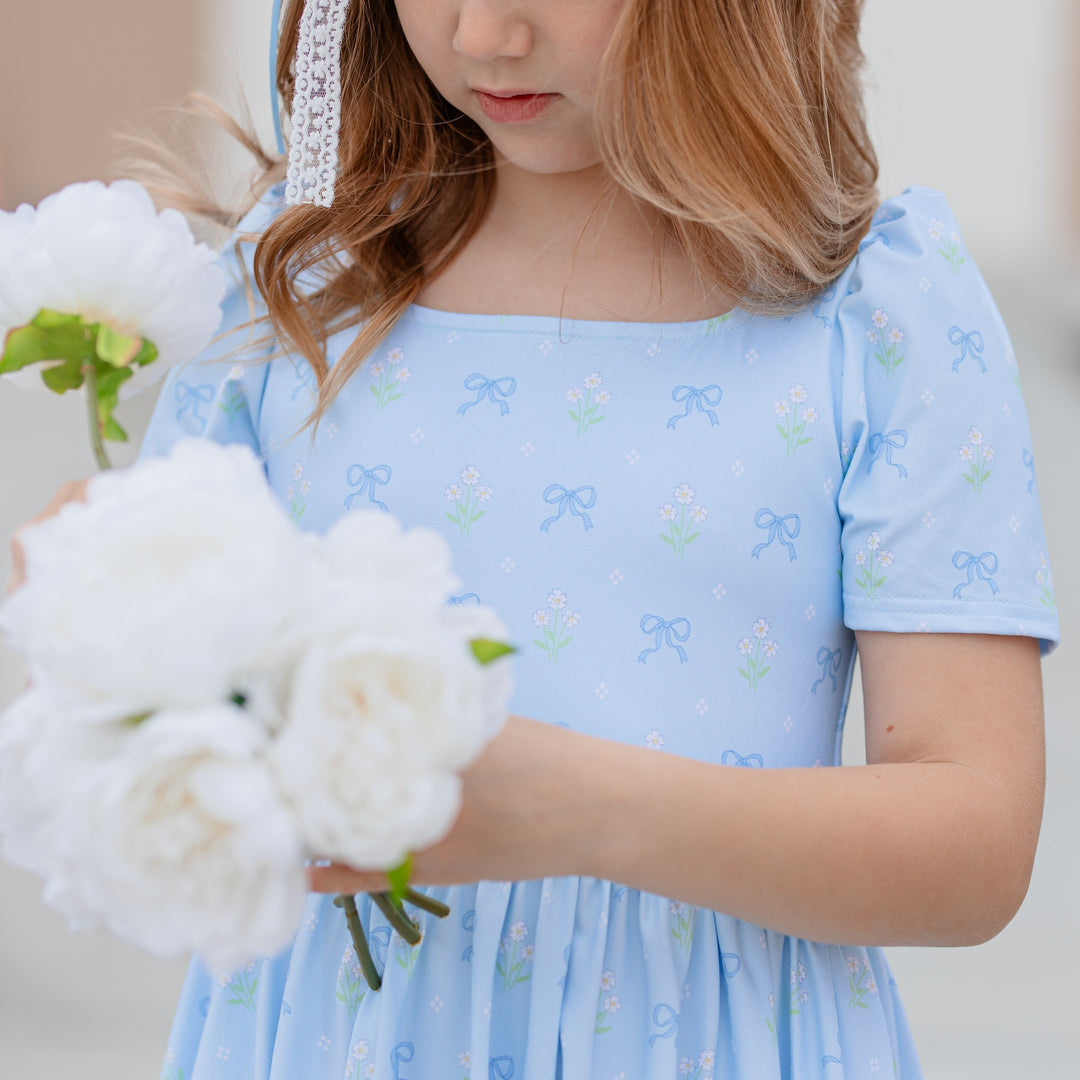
316	108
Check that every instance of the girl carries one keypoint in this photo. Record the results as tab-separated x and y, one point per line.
604	293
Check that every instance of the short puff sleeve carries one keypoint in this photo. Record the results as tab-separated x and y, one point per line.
218	395
941	527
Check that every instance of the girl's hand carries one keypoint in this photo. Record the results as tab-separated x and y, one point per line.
73	491
520	818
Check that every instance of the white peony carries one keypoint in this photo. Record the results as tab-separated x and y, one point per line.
106	254
190	842
171	583
379	726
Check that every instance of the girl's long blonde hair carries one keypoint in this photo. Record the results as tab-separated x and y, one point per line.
740	121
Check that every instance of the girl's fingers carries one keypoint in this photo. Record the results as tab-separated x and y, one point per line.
72	491
338	878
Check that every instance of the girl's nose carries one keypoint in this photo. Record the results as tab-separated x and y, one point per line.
490	29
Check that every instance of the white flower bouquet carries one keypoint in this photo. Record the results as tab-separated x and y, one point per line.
99	293
217	696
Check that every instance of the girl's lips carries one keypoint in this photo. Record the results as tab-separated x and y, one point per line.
513	108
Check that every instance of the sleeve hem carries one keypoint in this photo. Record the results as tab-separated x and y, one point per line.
930	616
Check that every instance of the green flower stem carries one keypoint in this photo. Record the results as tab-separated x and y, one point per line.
96	434
426	903
397	918
359	940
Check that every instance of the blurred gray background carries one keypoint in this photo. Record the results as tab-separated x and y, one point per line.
979	99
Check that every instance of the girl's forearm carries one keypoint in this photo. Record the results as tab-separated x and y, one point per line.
918	853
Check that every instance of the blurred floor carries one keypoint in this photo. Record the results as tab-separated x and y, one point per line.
96	1009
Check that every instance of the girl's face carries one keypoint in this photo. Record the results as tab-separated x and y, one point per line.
524	70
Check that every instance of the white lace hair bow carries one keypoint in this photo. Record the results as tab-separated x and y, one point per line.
316	106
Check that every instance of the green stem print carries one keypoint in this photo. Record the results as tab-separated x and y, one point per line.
514	954
682	924
976	457
872	567
797	997
553	622
388	379
795	417
757	651
467	500
242	985
949	246
233	397
1045	580
860	982
714	324
586	401
406	954
886	342
682	532
172	1072
297	493
351	986
607	1005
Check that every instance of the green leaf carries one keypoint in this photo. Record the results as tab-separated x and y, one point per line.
476	517
576	417
693	536
565	641
116	349
486	650
63	376
135	721
782	430
50	336
667	539
399	880
542	644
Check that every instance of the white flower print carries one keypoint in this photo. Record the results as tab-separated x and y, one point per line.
770	649
542	617
667	512
966	453
607	980
508	564
872	337
574	396
616	576
452	336
223	1053
702	707
612	1004
519	931
377	369
324	1042
975	436
927	396
810	415
706	1060
926	284
746	646
738	469
403	374
880	318
571	619
719	590
654	741
686	1066
873	540
603	397
395	355
633	457
464	1059
684	494
298	471
556	599
592	381
751	356
798	394
760	629
860	558
895	336
470	475
977	457
781	408
331	430
483	493
936	230
437	1003
885	559
698	514
453	492
546	346
601	691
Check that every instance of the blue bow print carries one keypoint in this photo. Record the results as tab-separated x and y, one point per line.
700	399
1029	463
577	502
483	387
189	397
731	964
983	566
305	380
970	345
618	893
468	924
367	480
401	1054
829	659
665	1018
784	528
829	1059
826	298
379	939
887	443
500	1068
679	629
736	760
566	964
467	599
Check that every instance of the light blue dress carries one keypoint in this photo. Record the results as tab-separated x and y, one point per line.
682	524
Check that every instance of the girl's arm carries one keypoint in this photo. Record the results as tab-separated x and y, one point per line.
931	843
